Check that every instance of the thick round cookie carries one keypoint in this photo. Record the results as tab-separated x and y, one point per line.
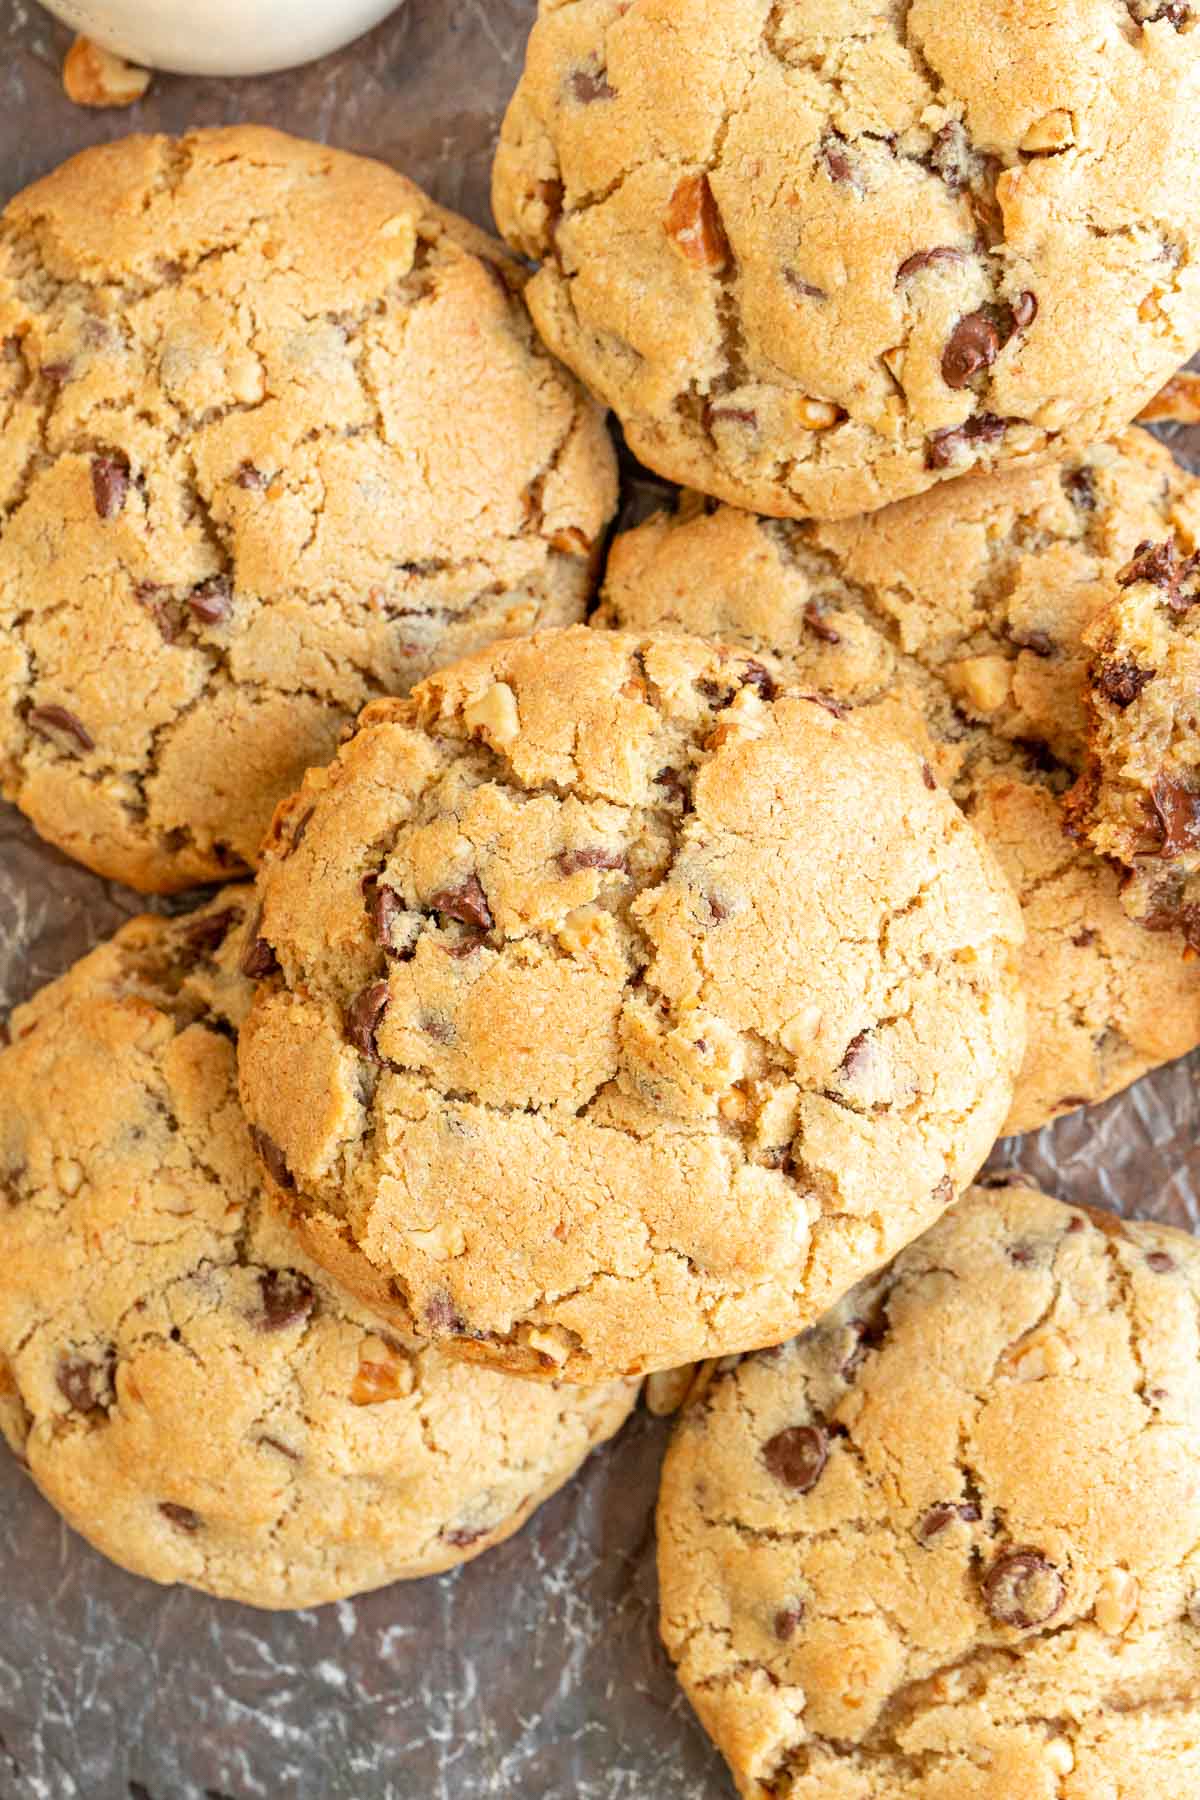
960	614
945	1546
278	436
186	1388
627	1010
821	257
1138	800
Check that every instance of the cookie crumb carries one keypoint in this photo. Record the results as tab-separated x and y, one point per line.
93	76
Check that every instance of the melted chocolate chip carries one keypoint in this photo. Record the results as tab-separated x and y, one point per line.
928	777
384	907
973	346
87	1386
797	1457
299	831
1024	310
1153	12
47	720
1022	1256
1160	1262
258	958
675	784
1178	808
1023	1588
204	936
830	705
463	1536
591	84
110	484
940	255
717	695
1040	642
571	861
1121	683
212	601
57	373
286	1296
1083	940
1081	486
817	622
272	1158
949	154
735	415
466	902
182	1517
799	286
363	1017
837	163
942	447
943	1514
756	676
250	477
788	1621
441	1315
857	1058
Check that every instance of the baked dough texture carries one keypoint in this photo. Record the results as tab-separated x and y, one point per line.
184	1386
1138	800
626	1009
276	435
958	616
946	1546
821	254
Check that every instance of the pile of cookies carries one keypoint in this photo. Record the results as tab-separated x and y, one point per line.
620	954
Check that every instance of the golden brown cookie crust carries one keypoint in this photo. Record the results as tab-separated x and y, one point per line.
818	257
185	1386
945	1545
278	436
616	988
958	617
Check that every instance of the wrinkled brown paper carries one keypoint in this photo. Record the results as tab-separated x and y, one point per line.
536	1671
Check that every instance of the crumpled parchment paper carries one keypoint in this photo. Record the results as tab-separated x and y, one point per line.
536	1671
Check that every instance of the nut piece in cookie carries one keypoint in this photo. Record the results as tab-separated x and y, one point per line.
966	1591
1138	801
263	515
627	1004
818	258
183	1384
958	618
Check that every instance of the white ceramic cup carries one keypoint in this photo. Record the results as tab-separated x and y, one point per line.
221	37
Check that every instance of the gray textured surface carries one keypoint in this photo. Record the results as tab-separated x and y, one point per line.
534	1672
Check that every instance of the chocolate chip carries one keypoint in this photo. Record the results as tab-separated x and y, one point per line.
466	902
258	958
717	695
942	447
110	484
830	705
272	1158
286	1295
57	373
788	1621
950	154
166	612
837	163
87	1386
204	936
945	1191
1153	12
363	1018
715	910
943	1514
180	1516
571	861
1160	1262
1077	1223
591	84
47	720
940	255
384	906
1022	1255
798	285
857	1058
441	1315
272	1443
1023	1588
928	777
1024	310
797	1457
1081	486
1040	642
250	477
463	1536
756	676
298	831
973	346
1178	809
1121	683
466	945
675	784
815	619
212	601
736	415
1083	940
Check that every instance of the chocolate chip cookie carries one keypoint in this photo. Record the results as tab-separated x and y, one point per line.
183	1384
944	1546
1138	801
277	436
821	257
622	1008
958	617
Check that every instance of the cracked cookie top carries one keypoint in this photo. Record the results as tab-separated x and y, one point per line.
944	1546
625	1008
820	256
183	1384
277	436
959	615
1138	800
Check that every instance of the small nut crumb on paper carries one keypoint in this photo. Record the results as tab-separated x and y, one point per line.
95	77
